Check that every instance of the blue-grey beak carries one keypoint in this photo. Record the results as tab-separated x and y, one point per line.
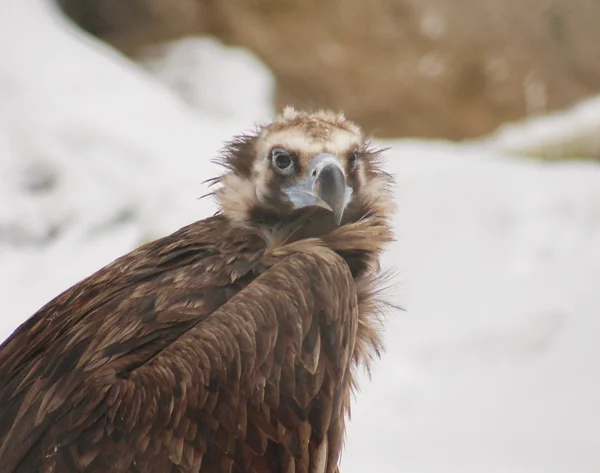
324	186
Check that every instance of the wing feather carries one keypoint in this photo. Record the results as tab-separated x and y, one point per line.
256	380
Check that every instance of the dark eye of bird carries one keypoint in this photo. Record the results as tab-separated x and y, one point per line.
352	159
282	160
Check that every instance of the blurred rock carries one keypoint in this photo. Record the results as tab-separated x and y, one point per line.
428	68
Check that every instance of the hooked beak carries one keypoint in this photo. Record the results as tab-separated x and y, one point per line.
324	186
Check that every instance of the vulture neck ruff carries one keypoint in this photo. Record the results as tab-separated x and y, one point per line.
249	199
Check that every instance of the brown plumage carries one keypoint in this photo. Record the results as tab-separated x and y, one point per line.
228	346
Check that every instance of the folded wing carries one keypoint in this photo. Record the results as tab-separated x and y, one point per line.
259	384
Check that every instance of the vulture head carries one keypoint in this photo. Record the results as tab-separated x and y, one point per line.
303	162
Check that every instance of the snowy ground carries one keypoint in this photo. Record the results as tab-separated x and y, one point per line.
495	366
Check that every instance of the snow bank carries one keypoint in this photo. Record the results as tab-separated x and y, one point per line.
494	366
572	133
213	78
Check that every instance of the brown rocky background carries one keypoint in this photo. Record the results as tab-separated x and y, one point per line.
429	68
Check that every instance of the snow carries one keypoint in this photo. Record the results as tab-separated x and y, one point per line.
194	68
494	367
572	133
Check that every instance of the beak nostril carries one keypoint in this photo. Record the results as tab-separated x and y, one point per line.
314	173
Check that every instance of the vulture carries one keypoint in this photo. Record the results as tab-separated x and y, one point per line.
231	345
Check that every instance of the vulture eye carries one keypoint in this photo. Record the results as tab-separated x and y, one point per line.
352	159
282	160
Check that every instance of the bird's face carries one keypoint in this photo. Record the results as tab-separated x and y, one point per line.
303	161
311	165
